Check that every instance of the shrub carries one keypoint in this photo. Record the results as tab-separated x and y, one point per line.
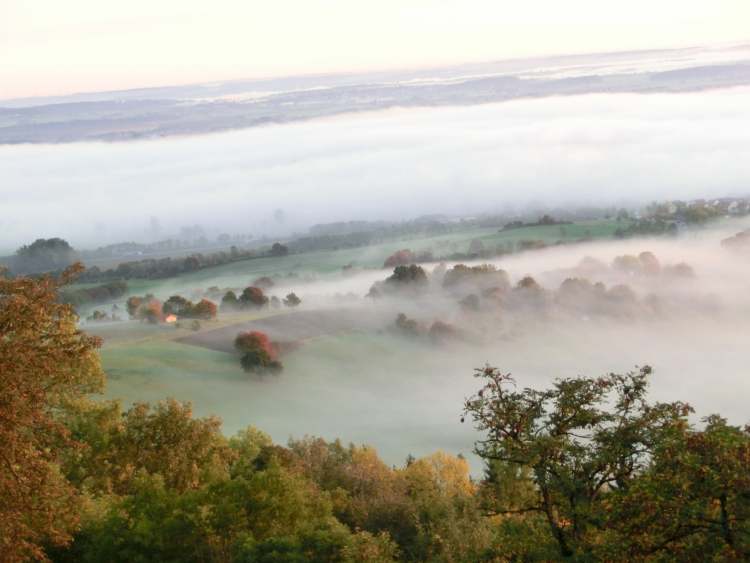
229	302
406	325
291	300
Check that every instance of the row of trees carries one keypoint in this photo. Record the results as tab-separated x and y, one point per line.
158	268
486	286
150	309
98	294
253	297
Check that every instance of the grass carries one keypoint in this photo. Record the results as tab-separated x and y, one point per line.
326	389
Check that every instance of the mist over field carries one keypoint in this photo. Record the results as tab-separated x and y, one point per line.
356	376
395	164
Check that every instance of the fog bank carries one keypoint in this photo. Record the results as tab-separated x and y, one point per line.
390	165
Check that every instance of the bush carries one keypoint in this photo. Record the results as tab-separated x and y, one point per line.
407	326
229	302
291	300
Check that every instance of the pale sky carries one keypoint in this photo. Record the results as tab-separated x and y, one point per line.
50	47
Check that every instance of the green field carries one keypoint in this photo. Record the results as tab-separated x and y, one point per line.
398	395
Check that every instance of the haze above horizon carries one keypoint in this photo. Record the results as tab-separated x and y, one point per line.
50	48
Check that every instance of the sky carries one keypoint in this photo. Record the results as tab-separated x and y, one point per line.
49	47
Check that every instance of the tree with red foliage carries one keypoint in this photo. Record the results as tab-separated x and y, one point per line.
399	258
204	309
259	354
151	312
252	297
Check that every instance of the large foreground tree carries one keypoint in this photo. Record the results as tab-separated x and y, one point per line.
45	364
614	476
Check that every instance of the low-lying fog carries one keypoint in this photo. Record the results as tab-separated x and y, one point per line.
403	393
391	165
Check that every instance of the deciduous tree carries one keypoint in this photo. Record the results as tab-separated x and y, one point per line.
45	363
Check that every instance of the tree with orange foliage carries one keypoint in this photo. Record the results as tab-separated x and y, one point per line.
151	311
132	305
45	364
146	308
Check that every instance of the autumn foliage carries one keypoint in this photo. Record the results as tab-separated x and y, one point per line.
399	258
146	308
45	363
259	354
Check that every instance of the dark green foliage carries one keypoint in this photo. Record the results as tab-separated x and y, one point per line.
407	326
229	301
159	268
278	249
613	474
259	354
185	309
94	295
291	300
252	297
410	279
411	274
177	305
43	255
259	361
